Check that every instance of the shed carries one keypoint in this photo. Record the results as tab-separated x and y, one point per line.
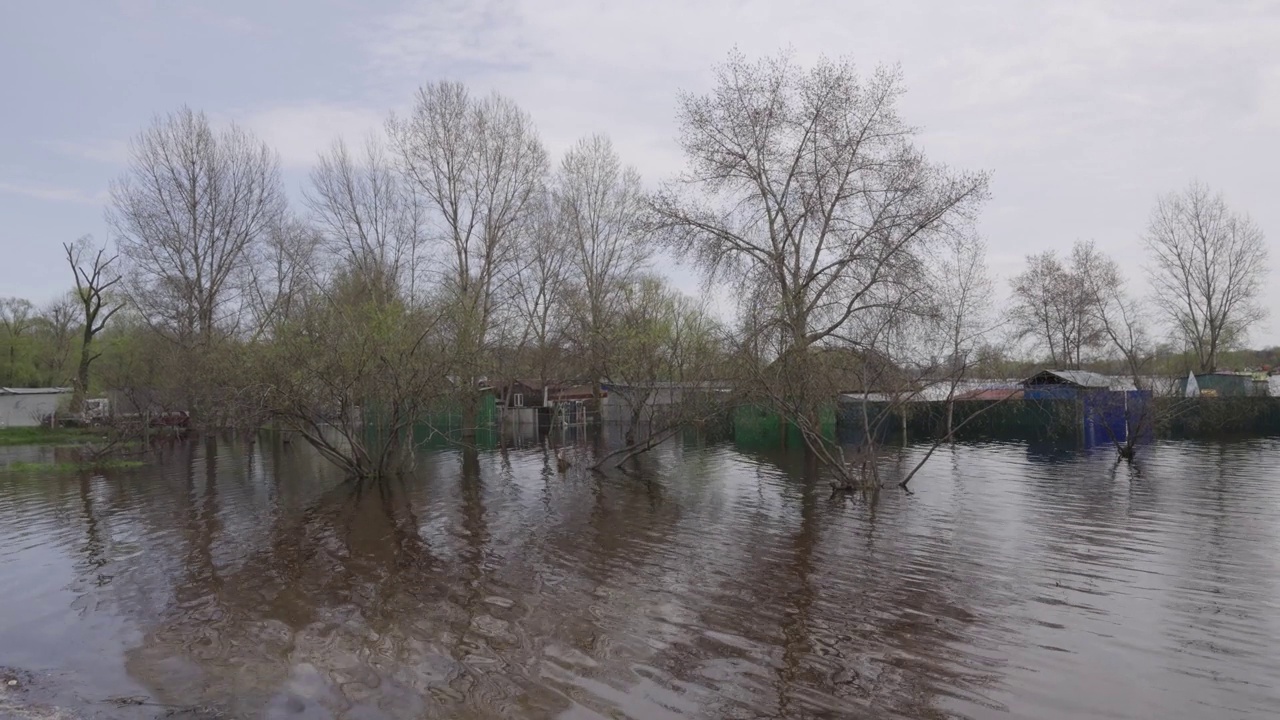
531	393
1069	378
1064	384
28	407
524	394
1226	384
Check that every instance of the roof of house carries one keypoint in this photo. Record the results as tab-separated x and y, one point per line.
1228	383
35	391
1076	378
991	394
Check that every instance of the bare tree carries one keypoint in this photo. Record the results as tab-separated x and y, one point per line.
372	223
95	275
538	293
1123	320
187	213
804	191
599	202
285	272
1209	263
1053	304
962	316
479	165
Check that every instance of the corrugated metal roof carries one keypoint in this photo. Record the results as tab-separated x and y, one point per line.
1079	378
35	391
992	394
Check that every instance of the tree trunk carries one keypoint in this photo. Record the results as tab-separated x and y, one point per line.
82	373
470	416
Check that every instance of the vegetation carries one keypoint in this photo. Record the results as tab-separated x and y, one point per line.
47	436
450	254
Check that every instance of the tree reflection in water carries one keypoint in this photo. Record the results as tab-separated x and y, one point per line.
715	582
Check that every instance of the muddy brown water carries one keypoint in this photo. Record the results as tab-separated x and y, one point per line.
236	580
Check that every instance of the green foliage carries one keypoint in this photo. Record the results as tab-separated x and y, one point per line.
47	436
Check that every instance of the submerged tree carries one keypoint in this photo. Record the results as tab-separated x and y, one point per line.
353	373
662	352
962	314
803	190
479	165
598	201
1209	265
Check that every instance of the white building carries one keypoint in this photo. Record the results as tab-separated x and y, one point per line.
27	407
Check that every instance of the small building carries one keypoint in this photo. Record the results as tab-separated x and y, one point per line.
1225	384
528	393
29	407
1064	384
621	397
524	394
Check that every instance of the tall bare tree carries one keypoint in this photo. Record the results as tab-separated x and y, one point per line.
963	293
95	275
285	271
1208	267
803	189
480	166
187	213
373	224
599	201
1053	304
538	296
1123	320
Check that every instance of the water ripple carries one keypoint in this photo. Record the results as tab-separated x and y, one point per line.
1016	581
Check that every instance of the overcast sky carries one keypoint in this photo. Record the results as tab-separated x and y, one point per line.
1083	111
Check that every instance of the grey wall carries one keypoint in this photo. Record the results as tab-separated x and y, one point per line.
27	410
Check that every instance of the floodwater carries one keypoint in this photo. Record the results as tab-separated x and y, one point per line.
236	580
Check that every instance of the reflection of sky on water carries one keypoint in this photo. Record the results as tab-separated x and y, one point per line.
1014	582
